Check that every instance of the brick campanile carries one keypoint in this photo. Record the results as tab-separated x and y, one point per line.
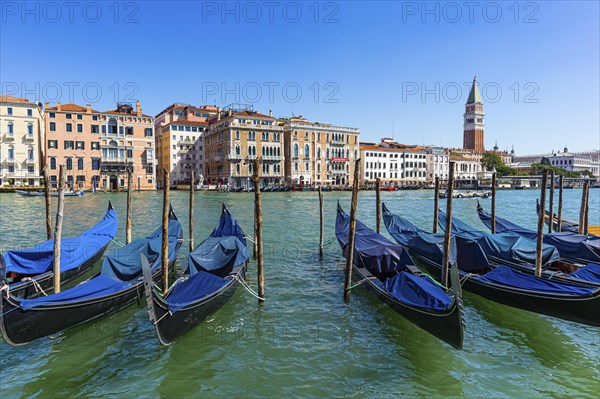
473	120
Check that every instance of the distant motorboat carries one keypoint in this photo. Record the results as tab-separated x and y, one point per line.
40	193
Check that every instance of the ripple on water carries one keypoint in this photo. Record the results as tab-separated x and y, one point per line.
304	341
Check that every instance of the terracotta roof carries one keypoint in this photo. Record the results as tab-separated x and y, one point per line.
252	113
70	108
5	98
116	112
460	158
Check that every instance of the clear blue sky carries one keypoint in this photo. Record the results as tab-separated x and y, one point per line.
381	66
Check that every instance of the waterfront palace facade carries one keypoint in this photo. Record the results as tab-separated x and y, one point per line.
20	137
97	148
180	130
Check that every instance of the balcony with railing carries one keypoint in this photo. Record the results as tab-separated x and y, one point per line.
29	137
10	160
117	160
234	157
9	136
271	157
30	161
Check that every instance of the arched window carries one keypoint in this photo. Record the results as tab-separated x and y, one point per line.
237	134
237	150
318	153
11	152
295	150
53	163
80	164
272	151
278	151
30	153
347	153
30	129
112	126
237	168
327	154
306	151
69	164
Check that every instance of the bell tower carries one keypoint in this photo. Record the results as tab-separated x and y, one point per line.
473	120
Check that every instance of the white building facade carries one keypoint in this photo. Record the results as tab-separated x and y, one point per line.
21	131
571	161
393	163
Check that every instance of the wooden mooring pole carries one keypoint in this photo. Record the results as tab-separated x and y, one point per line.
351	232
48	204
494	203
259	241
191	211
448	230
550	203
378	203
436	204
582	209
560	204
586	216
540	227
128	222
165	232
58	227
321	221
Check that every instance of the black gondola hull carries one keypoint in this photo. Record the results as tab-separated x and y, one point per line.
446	326
585	310
171	326
20	327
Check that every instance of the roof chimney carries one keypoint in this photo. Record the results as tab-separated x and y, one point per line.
46	104
88	108
59	107
138	108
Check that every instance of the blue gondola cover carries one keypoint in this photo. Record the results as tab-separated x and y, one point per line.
118	269
501	245
506	276
74	251
218	255
417	291
196	287
568	244
589	273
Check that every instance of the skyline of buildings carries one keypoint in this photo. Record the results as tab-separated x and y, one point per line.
219	145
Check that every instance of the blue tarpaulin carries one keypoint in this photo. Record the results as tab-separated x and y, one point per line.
506	246
372	251
465	253
589	273
506	276
210	263
74	251
118	269
194	288
569	245
388	261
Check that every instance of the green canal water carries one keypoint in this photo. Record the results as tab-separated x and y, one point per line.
304	341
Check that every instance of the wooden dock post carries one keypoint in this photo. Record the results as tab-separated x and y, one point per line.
48	204
550	203
436	204
448	230
58	227
494	203
128	221
165	231
378	203
321	221
540	227
586	216
259	241
582	209
351	233
192	211
560	204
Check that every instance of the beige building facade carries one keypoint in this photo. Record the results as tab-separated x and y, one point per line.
319	153
21	132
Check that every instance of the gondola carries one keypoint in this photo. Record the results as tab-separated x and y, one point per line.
118	285
214	271
499	283
565	225
29	272
520	253
389	273
39	193
575	247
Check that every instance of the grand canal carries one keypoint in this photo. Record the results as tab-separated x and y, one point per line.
304	341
